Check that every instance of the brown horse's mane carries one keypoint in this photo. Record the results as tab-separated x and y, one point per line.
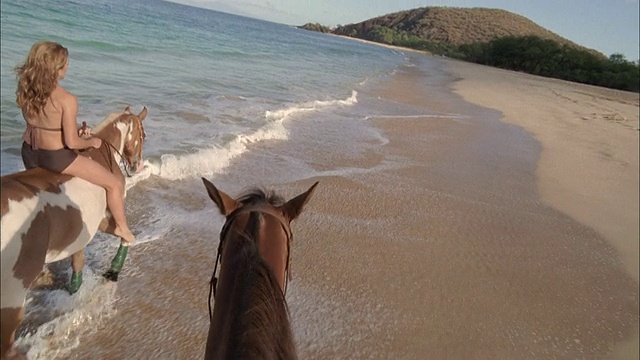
256	196
262	325
108	120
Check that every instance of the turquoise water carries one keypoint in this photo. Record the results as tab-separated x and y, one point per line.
206	77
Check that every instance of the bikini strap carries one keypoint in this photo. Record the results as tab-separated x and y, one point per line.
31	134
44	128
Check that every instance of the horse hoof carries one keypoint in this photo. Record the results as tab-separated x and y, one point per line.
111	275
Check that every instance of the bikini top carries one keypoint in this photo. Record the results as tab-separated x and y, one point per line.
30	134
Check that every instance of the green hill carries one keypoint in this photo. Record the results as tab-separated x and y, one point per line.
455	26
496	38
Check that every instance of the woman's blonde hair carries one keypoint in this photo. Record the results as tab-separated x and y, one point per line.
38	75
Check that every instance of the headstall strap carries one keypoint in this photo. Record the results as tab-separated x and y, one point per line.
213	284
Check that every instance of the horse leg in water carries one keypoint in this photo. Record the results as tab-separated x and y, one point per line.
108	226
11	318
14	292
118	262
77	264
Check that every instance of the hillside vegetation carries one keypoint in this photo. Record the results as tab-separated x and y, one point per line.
456	26
316	27
496	38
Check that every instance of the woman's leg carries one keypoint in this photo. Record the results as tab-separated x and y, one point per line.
93	172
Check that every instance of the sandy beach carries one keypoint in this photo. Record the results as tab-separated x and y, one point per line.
494	216
588	167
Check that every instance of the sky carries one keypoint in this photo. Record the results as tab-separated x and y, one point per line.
609	26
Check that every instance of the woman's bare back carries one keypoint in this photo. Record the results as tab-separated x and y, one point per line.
49	132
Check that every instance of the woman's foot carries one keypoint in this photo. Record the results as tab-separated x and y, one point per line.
125	234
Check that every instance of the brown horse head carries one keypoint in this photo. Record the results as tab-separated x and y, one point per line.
275	231
124	132
250	317
132	151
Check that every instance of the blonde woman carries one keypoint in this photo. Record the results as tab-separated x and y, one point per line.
52	131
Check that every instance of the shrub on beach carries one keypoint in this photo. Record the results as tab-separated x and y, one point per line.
544	57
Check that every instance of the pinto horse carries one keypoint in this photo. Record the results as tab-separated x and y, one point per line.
47	217
250	317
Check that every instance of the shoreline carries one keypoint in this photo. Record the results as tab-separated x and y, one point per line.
581	147
460	243
588	166
619	223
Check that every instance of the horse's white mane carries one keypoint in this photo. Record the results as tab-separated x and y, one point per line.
108	120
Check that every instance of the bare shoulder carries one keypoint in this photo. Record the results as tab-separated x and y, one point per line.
63	97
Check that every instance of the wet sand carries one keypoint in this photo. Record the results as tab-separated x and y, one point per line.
447	241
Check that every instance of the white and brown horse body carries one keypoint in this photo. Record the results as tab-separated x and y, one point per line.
47	217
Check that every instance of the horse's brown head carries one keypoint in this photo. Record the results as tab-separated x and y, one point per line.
273	230
124	132
134	139
250	318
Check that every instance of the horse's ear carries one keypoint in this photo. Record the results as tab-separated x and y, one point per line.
127	110
143	113
225	203
293	207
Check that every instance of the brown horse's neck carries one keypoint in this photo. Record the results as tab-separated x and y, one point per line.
250	317
104	155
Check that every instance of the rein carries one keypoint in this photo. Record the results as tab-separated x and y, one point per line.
122	161
223	233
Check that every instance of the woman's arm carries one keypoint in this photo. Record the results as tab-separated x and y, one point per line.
70	126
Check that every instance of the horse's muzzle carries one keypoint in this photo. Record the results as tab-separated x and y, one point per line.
135	167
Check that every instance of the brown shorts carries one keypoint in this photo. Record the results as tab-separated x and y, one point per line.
52	160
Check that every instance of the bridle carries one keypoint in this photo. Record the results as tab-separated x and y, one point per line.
223	234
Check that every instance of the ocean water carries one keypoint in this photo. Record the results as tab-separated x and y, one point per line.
214	84
212	81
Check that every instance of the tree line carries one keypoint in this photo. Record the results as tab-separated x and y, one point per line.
530	54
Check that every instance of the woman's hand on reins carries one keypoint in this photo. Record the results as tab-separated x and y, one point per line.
84	131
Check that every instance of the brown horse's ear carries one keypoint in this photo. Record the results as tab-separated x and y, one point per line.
127	110
293	207
225	203
143	113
